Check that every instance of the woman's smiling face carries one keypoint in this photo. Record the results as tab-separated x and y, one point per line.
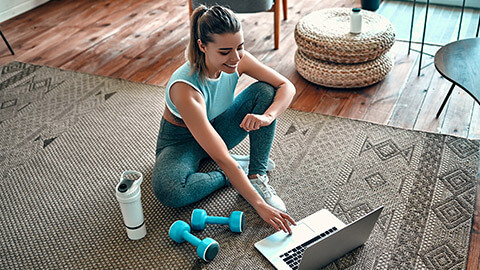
223	54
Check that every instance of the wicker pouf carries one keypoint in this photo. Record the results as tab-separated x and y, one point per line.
329	55
325	35
343	75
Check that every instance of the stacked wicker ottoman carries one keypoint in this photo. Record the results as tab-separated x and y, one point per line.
329	55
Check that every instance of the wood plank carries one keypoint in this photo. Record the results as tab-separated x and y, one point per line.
54	42
104	27
474	131
162	77
412	97
301	98
458	114
107	49
45	15
426	119
368	103
389	90
309	99
136	28
145	74
333	101
31	29
119	65
358	103
152	55
147	30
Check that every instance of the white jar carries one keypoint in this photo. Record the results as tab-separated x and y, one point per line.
356	21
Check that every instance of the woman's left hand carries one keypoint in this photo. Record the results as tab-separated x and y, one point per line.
255	121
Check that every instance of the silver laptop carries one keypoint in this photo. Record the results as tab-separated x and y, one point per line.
316	240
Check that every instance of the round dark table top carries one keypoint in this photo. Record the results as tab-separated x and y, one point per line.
459	62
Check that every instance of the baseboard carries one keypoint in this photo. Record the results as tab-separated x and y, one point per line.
12	8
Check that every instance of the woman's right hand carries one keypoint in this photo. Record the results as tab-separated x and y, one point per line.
278	219
255	121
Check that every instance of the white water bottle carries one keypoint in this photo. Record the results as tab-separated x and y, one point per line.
356	21
129	196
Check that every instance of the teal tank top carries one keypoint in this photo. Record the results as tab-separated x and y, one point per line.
218	93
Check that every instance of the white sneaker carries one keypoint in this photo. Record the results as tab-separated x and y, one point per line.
244	161
267	192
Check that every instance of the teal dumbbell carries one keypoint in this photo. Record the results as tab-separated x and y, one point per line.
207	248
236	221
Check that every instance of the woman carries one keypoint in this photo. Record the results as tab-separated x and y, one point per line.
203	119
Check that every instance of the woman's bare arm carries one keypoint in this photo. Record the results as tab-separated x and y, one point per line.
191	106
286	91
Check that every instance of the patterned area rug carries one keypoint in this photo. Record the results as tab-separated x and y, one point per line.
66	137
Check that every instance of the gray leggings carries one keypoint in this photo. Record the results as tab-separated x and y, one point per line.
176	181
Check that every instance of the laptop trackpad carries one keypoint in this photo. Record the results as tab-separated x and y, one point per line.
280	242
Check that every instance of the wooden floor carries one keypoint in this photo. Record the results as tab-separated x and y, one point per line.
144	40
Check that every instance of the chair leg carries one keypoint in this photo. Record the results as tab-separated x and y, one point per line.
478	26
445	100
276	25
411	27
6	42
285	7
423	39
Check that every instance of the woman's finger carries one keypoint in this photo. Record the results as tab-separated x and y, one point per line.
245	121
287	217
249	123
282	224
285	224
242	124
272	222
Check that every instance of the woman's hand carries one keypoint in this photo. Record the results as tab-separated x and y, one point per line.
276	218
256	121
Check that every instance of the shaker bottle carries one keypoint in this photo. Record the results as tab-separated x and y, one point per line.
356	21
128	195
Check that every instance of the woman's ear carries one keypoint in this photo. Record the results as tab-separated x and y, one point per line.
202	46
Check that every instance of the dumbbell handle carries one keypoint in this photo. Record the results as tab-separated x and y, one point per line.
192	239
217	220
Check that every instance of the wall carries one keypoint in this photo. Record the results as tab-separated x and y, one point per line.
12	8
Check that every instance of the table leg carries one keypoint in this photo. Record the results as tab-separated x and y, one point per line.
423	39
445	100
6	42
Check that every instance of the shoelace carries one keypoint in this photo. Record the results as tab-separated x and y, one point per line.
266	189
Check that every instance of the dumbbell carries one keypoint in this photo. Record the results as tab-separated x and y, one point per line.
236	221
207	248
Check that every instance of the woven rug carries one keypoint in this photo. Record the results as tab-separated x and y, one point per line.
66	137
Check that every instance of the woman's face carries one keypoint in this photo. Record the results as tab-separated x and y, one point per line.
223	54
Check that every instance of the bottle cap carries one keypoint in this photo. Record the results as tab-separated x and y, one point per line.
356	9
128	189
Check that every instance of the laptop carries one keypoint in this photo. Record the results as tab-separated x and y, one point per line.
316	240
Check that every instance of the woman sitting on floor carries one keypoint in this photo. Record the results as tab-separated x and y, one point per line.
203	119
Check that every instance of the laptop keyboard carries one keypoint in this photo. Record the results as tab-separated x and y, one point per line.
293	257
